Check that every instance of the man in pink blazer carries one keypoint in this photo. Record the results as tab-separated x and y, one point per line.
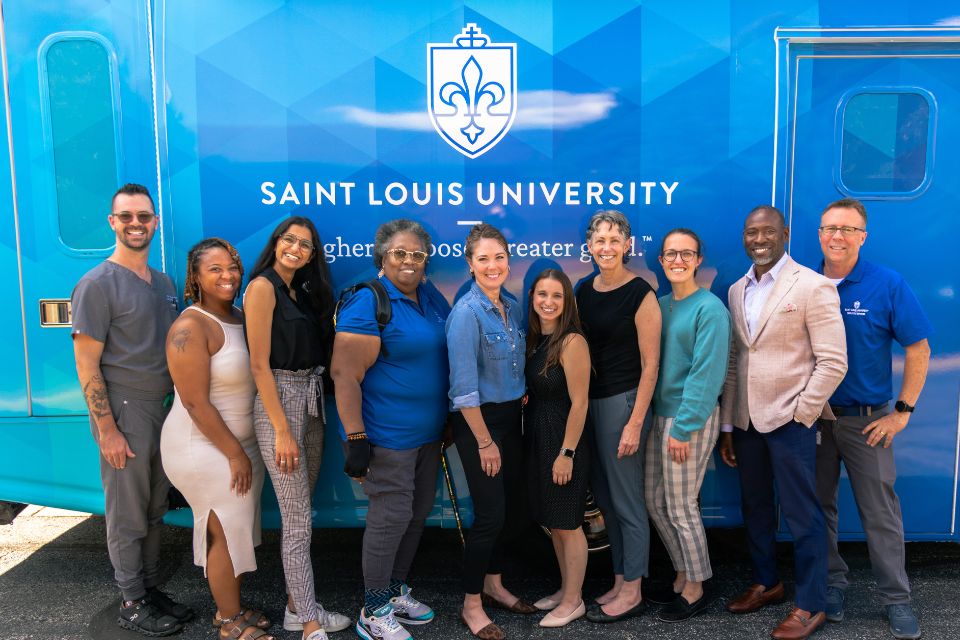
787	356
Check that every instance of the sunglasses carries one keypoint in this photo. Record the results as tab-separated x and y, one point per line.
416	257
143	217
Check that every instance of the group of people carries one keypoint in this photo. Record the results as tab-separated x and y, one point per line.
606	389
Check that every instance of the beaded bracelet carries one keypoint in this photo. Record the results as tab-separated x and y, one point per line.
362	435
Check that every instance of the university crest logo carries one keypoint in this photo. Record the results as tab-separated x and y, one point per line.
471	90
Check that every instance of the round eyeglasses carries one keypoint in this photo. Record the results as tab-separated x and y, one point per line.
687	255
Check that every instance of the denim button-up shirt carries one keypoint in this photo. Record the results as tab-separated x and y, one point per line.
486	355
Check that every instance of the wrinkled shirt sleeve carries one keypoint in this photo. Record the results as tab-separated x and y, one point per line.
463	350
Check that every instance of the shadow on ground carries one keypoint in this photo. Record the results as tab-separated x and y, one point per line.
64	589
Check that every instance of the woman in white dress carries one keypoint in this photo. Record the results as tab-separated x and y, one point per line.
208	446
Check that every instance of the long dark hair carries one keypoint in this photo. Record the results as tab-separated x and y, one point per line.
569	321
312	280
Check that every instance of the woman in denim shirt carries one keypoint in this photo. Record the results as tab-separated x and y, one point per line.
485	344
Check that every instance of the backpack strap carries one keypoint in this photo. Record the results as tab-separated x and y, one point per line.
382	305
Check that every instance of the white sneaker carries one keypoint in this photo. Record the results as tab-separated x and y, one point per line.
330	621
409	610
381	625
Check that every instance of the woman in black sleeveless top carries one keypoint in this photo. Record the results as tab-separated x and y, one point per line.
558	378
621	320
288	309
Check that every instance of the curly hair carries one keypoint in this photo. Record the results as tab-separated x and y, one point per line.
191	290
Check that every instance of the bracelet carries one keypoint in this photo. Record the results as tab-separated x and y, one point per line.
353	437
485	446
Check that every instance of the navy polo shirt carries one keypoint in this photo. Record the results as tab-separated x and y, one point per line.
877	307
404	392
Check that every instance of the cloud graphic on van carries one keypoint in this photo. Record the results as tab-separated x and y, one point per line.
536	110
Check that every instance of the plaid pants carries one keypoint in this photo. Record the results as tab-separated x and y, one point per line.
301	394
671	492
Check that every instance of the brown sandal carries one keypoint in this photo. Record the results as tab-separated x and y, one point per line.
239	628
489	632
520	606
252	616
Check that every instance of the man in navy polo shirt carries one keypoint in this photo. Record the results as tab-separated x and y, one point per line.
877	307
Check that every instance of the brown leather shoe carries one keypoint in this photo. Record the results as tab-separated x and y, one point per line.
799	625
520	606
756	597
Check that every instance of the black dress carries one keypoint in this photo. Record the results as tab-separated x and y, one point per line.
545	422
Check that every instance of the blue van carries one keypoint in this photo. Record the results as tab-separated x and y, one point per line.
530	116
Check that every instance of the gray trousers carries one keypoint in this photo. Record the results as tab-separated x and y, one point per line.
135	497
618	484
872	475
401	485
301	395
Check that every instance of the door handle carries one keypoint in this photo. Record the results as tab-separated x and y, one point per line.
55	313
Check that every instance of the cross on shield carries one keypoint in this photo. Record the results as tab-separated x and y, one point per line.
471	90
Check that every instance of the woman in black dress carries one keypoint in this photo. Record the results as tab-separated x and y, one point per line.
558	377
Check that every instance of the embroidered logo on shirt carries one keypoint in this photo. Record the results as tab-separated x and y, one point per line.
856	310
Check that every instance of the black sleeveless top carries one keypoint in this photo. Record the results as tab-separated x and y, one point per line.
297	336
608	323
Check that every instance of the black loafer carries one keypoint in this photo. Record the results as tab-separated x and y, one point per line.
679	609
597	614
660	594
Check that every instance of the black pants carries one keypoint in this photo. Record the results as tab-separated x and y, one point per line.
499	503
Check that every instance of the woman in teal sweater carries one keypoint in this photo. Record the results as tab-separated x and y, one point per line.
694	344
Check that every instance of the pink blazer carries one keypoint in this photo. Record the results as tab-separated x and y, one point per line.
794	361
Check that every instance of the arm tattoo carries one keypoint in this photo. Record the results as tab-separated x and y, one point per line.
180	339
96	393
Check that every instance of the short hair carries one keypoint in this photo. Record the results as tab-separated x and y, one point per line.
483	231
191	290
847	203
387	230
767	208
612	217
133	189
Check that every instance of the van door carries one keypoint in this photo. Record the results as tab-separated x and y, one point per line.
81	108
876	116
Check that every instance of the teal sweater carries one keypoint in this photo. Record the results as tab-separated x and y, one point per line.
694	345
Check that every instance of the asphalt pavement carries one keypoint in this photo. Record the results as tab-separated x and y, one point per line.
56	582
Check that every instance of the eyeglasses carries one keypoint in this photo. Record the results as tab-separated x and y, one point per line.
687	255
290	240
417	257
830	229
143	217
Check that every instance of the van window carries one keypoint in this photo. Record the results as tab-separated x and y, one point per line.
83	135
884	145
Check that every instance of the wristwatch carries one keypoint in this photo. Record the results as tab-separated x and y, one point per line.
568	453
903	407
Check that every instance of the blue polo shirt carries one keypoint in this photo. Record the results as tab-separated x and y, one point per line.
405	392
877	307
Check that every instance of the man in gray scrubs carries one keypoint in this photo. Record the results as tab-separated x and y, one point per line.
122	310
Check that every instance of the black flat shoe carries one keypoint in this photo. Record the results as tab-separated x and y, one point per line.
660	594
679	609
597	614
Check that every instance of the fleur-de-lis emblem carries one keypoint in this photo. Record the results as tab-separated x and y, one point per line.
472	92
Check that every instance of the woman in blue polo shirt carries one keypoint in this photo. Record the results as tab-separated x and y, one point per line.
486	348
391	390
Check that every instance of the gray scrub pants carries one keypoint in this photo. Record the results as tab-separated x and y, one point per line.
872	475
401	485
135	497
618	484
